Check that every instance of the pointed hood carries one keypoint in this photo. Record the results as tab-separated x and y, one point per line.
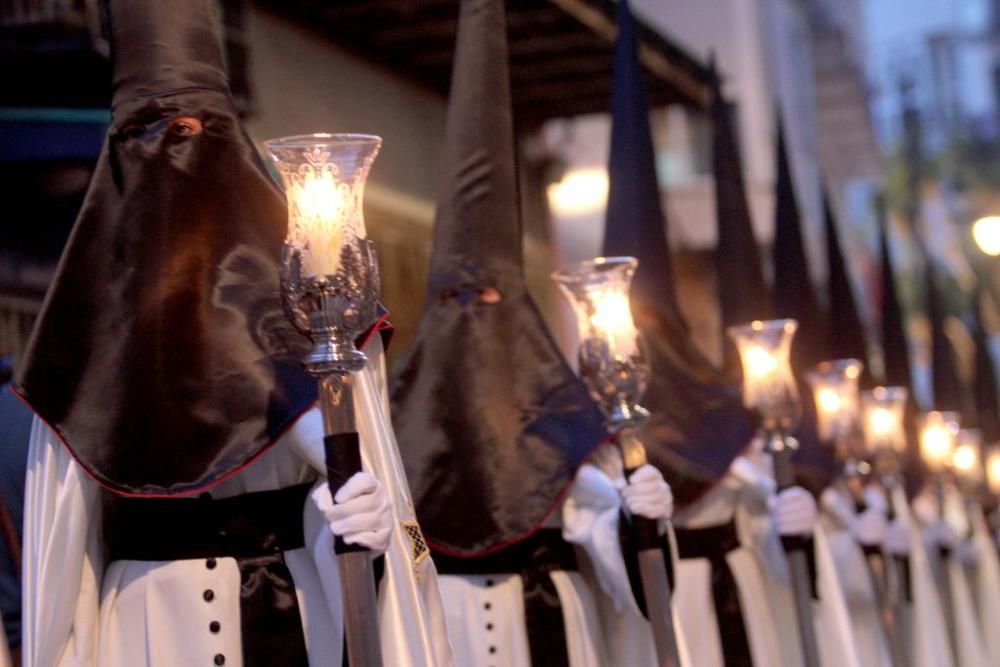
743	294
948	390
895	343
634	192
166	46
795	297
490	420
698	425
987	400
847	330
161	356
794	294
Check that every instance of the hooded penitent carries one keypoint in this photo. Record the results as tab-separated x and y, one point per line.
491	422
698	425
740	285
158	355
847	331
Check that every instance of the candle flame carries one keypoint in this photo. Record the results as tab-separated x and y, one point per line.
965	459
612	319
881	422
829	400
936	444
760	362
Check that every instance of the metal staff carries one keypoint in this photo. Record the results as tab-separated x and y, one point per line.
329	288
616	372
769	391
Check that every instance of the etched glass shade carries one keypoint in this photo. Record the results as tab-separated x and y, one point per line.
993	470
882	412
938	439
324	176
834	387
768	383
611	360
967	461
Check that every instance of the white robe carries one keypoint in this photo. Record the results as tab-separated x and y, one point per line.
929	643
761	573
602	622
80	611
854	575
987	584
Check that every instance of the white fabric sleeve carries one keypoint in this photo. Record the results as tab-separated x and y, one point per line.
590	517
62	570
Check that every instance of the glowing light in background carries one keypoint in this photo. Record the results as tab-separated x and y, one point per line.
986	233
580	191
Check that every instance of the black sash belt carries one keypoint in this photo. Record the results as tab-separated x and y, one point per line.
713	543
533	559
253	528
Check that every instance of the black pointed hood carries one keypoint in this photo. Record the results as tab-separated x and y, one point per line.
794	294
491	422
161	356
698	425
987	400
743	293
948	389
847	330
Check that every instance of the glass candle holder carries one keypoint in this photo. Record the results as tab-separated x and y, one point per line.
967	460
834	387
883	410
612	363
768	383
938	439
993	470
324	176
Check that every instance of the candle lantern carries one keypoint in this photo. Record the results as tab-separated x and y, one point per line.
834	386
329	288
993	470
616	372
769	391
967	461
938	439
883	410
768	383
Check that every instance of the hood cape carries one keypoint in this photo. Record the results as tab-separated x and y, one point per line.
740	285
795	297
161	356
491	421
847	329
698	424
987	400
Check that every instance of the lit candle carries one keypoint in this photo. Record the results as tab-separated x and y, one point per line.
835	391
938	435
883	409
993	470
324	177
966	459
599	293
768	383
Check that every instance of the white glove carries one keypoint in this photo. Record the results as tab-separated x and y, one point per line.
648	495
869	528
793	511
967	552
876	499
897	538
360	513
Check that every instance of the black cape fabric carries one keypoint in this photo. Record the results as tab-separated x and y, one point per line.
161	355
698	424
847	330
490	420
794	294
948	389
742	291
987	400
795	297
